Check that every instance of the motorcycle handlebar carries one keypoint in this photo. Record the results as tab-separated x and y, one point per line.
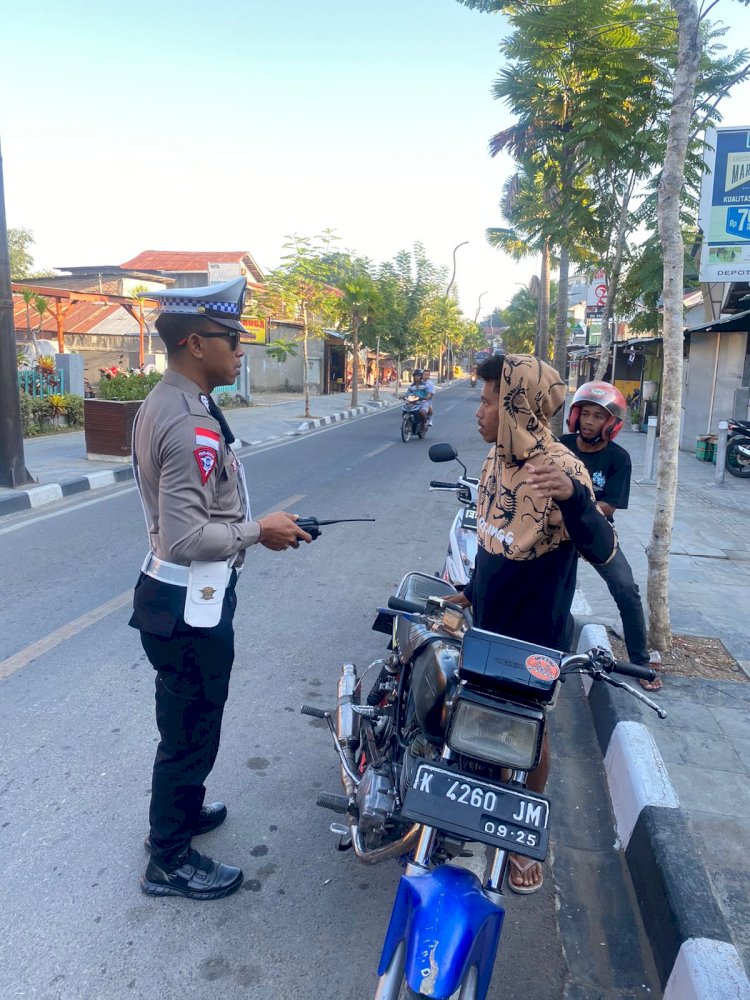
435	484
633	670
396	604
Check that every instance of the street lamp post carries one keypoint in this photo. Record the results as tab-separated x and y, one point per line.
13	470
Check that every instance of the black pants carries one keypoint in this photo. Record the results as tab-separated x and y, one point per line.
618	576
192	681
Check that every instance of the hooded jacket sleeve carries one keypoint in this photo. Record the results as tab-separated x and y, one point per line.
589	530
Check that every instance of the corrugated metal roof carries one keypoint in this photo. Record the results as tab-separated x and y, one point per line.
80	317
183	260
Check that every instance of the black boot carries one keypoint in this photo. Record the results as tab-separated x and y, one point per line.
196	877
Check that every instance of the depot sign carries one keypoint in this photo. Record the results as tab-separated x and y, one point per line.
596	295
724	214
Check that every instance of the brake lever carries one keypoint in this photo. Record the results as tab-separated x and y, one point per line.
600	675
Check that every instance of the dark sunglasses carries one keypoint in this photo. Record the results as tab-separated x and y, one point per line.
232	336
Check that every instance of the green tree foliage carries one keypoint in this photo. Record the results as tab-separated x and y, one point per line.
299	290
20	242
521	315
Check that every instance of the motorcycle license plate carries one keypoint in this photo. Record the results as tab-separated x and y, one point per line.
479	811
469	519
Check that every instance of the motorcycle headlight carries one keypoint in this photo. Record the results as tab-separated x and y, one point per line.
509	735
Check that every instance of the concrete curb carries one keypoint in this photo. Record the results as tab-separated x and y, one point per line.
691	943
335	418
39	496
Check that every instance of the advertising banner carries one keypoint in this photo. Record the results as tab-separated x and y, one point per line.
255	331
596	295
724	214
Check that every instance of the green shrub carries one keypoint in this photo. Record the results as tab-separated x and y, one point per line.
40	412
74	409
28	424
128	386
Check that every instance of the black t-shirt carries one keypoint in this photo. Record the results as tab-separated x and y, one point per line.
609	470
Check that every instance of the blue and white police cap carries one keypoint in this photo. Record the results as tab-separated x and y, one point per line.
221	303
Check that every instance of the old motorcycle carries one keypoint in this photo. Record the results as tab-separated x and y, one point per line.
737	461
462	537
434	754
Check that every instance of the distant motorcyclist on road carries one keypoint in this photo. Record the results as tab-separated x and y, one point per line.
430	386
423	393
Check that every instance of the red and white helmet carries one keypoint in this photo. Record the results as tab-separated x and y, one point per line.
605	395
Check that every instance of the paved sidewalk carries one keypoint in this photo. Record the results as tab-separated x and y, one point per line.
59	465
680	787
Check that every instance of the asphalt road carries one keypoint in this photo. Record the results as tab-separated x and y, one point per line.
77	739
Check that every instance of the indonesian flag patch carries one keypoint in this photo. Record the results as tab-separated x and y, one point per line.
207	452
207	459
207	438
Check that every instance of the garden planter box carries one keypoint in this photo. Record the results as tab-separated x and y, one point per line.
108	428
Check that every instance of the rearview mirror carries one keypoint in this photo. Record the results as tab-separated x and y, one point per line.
442	453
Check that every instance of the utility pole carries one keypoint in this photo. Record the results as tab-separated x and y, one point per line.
13	470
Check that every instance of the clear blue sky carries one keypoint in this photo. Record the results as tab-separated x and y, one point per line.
228	125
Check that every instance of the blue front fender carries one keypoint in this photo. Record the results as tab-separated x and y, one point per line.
448	924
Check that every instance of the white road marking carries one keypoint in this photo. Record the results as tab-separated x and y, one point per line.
284	504
48	642
65	510
372	454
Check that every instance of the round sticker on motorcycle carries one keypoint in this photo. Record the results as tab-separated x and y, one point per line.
542	667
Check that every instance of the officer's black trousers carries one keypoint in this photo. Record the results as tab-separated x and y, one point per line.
192	681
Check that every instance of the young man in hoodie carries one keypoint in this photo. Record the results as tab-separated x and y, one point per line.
535	512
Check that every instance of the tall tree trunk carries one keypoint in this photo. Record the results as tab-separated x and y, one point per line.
355	358
542	322
670	234
560	348
305	366
613	280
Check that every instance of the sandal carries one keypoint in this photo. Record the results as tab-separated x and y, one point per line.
525	890
656	683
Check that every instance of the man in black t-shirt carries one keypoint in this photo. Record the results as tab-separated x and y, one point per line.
596	416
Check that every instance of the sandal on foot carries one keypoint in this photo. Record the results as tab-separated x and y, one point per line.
656	683
524	890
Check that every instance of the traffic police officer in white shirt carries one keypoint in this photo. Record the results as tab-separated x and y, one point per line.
197	512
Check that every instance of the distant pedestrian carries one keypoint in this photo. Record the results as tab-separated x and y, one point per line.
596	416
197	510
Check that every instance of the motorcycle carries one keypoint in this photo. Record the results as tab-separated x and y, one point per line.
472	380
737	460
436	756
411	419
462	538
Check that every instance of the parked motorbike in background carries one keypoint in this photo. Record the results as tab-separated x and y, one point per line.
738	449
434	753
411	419
462	538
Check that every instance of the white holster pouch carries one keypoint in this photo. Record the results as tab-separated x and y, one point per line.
206	586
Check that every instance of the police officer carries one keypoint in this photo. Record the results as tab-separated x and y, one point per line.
198	516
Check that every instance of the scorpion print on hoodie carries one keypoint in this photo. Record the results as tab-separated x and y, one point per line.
513	522
524	578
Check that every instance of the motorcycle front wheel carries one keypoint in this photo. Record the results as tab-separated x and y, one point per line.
737	463
406	428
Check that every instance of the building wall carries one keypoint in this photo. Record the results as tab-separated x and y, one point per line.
697	417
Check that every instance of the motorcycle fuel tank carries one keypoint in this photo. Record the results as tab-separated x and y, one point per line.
433	681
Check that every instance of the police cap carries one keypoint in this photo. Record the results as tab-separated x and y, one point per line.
220	303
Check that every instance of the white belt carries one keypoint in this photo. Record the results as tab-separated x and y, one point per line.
167	572
173	573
